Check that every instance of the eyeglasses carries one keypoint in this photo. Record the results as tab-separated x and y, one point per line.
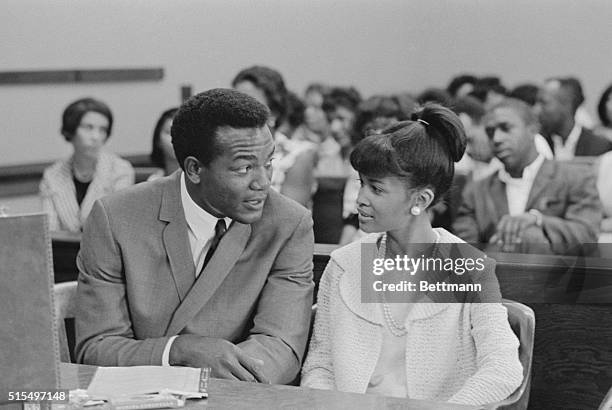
503	126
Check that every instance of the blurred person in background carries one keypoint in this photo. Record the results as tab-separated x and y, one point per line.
316	126
461	85
532	205
294	160
479	160
70	186
436	95
340	107
162	154
603	169
373	115
604	110
489	90
557	103
529	94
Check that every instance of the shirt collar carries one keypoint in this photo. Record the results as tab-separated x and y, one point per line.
200	222
529	173
573	136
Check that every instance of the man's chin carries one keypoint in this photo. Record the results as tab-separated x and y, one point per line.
248	218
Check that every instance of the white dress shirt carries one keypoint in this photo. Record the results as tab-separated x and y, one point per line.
543	147
517	189
201	232
567	150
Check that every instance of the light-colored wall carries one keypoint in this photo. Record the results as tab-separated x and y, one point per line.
376	45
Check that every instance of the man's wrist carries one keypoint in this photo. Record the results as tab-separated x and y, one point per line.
175	352
166	353
538	221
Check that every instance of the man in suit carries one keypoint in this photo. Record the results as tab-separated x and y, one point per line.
557	103
160	280
532	204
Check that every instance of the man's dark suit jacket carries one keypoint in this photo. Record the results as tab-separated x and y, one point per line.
589	144
137	284
565	194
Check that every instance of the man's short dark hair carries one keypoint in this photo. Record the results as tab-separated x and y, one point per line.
525	92
572	89
520	107
195	125
73	114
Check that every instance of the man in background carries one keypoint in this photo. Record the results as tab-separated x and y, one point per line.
556	106
532	205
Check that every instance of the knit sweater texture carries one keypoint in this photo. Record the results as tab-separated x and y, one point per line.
455	352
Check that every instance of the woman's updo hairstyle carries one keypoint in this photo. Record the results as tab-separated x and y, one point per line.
423	150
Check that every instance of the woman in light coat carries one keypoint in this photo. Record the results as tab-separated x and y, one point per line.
418	343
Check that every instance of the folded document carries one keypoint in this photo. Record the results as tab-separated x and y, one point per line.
113	382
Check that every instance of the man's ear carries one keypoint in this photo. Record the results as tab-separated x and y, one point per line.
193	169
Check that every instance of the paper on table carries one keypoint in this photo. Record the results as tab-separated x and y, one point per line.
109	382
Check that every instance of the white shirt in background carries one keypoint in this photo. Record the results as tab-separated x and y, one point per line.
566	151
543	147
517	189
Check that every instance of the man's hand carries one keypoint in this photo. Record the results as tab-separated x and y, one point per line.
510	231
226	360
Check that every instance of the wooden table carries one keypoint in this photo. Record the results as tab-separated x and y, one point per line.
227	394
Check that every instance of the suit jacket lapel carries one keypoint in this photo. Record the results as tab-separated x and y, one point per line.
223	260
498	205
175	237
540	183
581	144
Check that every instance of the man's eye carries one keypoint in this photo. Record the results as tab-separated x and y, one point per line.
268	164
505	127
244	169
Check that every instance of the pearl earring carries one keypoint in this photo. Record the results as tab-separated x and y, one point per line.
415	210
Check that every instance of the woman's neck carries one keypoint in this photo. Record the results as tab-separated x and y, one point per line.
406	241
84	167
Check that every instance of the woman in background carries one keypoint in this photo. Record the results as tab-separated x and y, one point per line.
373	115
294	161
603	171
463	352
70	186
162	154
604	110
